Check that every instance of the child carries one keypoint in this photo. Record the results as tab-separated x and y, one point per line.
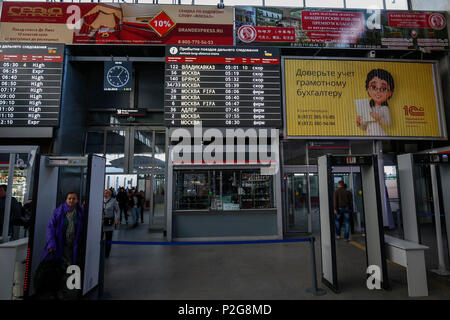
379	86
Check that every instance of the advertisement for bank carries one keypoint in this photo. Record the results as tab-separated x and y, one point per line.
348	98
340	28
99	23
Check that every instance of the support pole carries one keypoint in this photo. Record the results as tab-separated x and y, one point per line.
101	273
314	290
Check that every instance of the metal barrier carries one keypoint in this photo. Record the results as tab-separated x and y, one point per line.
315	291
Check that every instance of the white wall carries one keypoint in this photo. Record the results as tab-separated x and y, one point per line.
436	5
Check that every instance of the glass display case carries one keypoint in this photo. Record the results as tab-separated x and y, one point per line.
192	191
256	191
223	190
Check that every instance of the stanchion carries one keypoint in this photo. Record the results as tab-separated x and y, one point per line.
314	290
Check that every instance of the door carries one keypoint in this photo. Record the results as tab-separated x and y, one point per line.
297	209
136	158
426	217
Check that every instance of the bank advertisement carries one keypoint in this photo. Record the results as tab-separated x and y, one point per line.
339	28
100	23
348	98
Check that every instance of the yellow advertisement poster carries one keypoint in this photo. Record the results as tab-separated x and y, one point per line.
377	99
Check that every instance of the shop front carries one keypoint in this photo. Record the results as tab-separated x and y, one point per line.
234	195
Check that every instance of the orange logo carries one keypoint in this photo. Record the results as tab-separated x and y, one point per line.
35	12
414	111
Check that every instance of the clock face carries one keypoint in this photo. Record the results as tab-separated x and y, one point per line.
118	76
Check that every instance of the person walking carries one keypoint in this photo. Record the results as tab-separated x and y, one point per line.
122	198
110	218
142	204
133	207
15	213
343	206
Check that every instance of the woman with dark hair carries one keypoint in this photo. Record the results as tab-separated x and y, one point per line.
64	235
380	87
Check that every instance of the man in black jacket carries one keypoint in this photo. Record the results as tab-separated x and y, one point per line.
15	213
122	199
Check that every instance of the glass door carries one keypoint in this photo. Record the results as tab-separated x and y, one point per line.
314	202
296	202
136	159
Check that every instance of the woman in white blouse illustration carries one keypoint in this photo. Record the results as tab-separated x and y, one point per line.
379	86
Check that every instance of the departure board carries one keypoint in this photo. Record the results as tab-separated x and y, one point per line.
30	90
222	87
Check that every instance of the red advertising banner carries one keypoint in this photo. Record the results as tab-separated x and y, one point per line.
99	23
341	28
332	21
417	20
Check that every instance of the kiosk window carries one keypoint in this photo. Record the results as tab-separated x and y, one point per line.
223	190
192	191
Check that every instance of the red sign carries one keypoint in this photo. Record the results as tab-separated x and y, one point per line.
239	60
100	23
417	20
332	21
337	37
161	23
30	58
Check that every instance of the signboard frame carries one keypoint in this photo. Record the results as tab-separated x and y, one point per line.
437	90
43	131
183	54
377	15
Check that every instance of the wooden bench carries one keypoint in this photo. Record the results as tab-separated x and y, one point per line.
412	256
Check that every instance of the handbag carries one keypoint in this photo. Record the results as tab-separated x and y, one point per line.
48	275
107	221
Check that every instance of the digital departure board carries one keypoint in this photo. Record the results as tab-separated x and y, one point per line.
30	91
222	87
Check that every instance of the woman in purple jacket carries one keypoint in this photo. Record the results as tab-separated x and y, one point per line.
64	232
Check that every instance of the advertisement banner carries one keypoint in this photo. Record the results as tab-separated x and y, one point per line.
366	98
99	23
341	28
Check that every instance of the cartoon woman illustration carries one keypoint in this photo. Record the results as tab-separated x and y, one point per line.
380	87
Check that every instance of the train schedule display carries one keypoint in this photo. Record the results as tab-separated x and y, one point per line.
30	84
222	87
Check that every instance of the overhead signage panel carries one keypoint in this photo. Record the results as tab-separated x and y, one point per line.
31	80
222	87
341	28
101	23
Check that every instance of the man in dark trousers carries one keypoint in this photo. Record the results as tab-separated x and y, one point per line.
15	213
343	206
122	199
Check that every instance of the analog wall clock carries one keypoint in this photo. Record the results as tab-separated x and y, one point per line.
117	76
